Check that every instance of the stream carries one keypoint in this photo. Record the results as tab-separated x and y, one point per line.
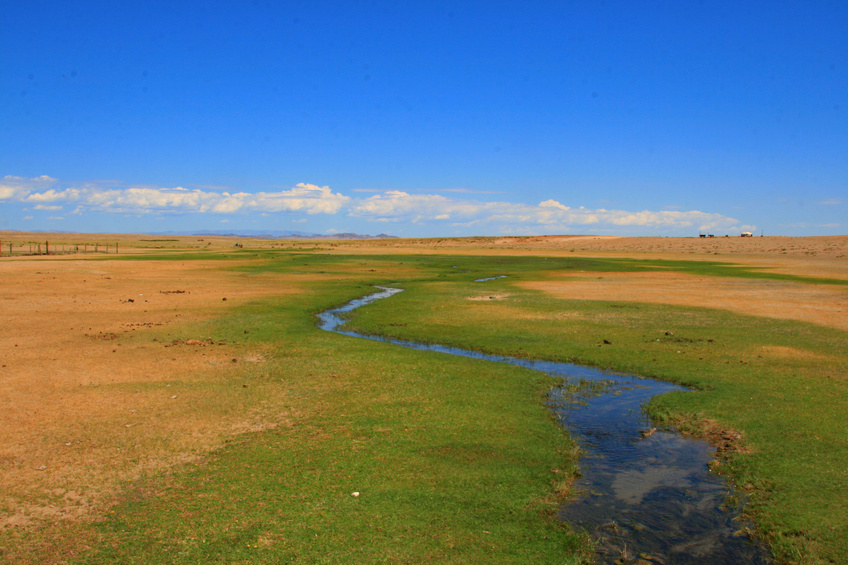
645	495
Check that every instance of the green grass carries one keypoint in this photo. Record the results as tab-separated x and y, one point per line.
453	457
791	406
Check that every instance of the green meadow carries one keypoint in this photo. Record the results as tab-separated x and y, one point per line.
381	454
790	409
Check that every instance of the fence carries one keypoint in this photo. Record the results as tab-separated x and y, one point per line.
23	248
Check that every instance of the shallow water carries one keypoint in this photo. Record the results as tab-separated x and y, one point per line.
645	496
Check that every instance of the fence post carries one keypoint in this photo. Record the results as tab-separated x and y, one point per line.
47	247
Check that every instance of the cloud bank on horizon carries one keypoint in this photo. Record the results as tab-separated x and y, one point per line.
436	212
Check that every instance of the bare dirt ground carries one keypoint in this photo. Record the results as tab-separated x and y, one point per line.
820	257
820	304
89	399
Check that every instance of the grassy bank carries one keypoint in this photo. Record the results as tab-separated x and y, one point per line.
453	459
779	383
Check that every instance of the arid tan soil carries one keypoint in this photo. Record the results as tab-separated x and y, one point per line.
84	403
819	257
820	304
825	246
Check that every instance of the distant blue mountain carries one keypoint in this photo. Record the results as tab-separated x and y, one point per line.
274	234
249	233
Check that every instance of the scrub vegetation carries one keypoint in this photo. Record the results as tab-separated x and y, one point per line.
361	451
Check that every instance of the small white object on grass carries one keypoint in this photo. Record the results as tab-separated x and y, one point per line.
354	494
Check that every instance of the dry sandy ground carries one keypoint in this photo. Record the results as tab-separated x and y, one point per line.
820	304
825	246
89	400
820	257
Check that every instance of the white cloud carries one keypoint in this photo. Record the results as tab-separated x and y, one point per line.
303	197
69	194
17	188
553	204
145	200
395	203
230	203
548	216
307	198
393	206
831	202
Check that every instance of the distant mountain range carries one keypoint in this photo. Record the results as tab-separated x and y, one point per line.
276	234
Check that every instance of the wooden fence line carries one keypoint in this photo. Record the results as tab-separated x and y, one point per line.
37	250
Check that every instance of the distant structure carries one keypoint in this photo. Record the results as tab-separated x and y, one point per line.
746	234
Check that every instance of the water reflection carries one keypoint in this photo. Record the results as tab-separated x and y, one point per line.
646	496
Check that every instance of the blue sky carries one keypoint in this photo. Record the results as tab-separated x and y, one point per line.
425	118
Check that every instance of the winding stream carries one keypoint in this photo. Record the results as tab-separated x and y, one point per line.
646	495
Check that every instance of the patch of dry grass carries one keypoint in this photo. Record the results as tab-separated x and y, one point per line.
100	384
821	304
